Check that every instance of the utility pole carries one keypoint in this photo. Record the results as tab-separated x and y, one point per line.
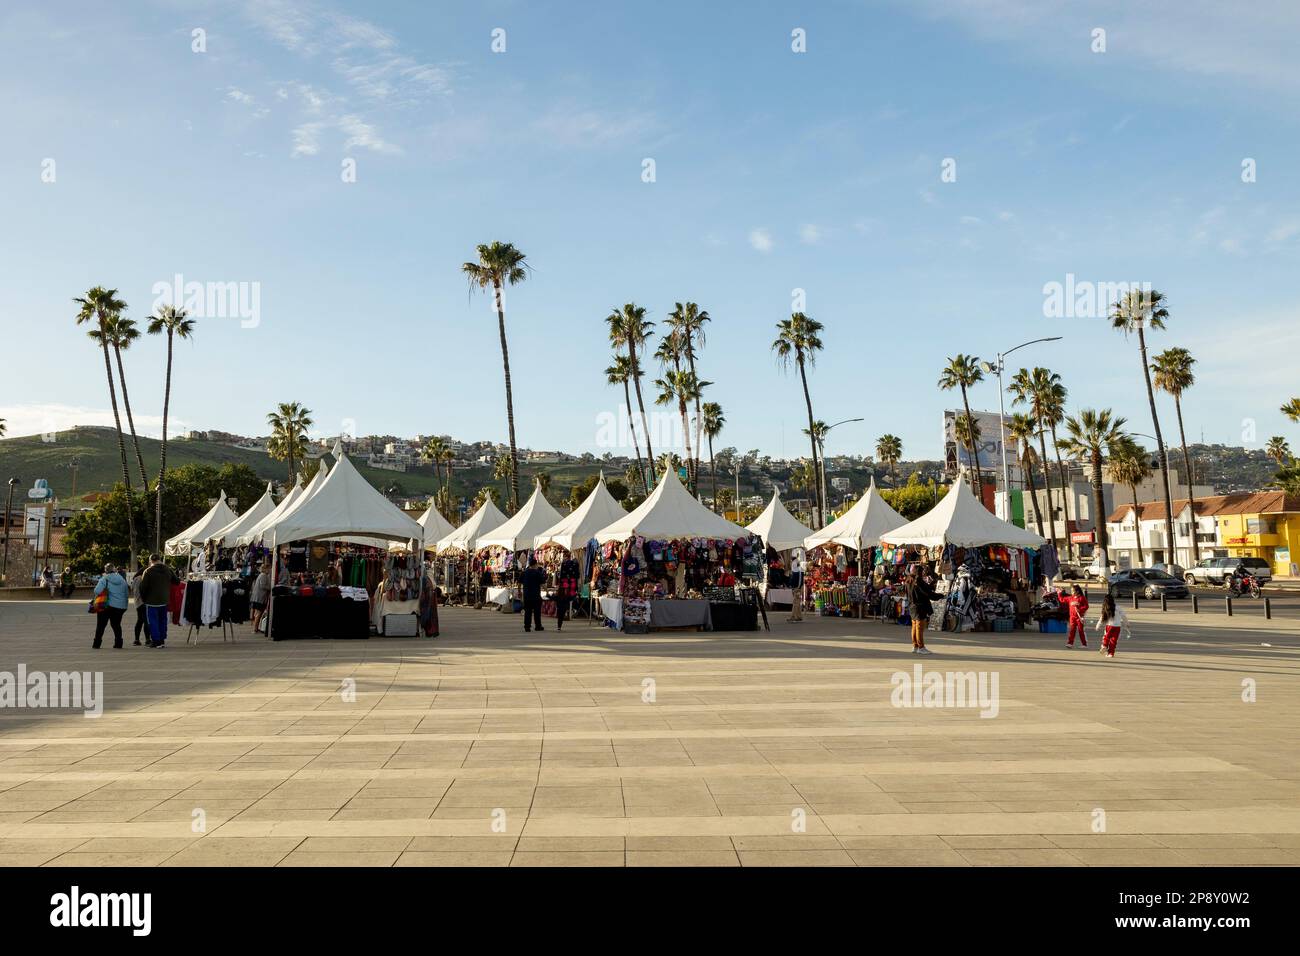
74	465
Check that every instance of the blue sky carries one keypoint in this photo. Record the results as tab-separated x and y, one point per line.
775	171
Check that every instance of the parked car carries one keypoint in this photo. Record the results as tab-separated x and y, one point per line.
1177	570
1216	571
1071	572
1148	583
1095	572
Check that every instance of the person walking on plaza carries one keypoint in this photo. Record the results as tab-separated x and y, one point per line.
260	596
796	586
1076	603
1112	623
919	608
566	590
141	618
114	587
532	582
155	591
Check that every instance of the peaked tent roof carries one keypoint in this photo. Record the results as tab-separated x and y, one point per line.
670	512
251	533
345	504
599	510
777	527
218	516
861	526
296	497
435	526
261	508
960	519
487	518
528	522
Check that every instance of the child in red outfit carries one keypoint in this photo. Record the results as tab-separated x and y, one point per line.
1112	622
1076	602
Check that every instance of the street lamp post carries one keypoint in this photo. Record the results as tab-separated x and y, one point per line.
998	368
4	568
821	445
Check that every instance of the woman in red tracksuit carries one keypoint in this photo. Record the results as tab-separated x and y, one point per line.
1077	604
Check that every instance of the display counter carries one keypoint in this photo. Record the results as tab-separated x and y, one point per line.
303	617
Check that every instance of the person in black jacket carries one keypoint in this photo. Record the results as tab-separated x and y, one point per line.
532	582
919	607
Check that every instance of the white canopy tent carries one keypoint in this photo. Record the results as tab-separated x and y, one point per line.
518	533
261	508
465	538
862	526
291	501
599	510
960	519
435	527
218	516
670	512
778	528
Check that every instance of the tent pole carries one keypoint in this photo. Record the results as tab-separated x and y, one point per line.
275	561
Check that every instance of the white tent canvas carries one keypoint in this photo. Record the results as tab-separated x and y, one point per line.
291	501
670	512
465	538
345	505
435	527
960	519
573	531
518	533
861	526
778	528
261	508
218	516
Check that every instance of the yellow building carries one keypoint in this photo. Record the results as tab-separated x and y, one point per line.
1263	525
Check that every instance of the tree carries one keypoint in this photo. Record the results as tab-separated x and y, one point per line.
714	420
501	264
1135	312
1092	435
1292	409
682	387
289	423
629	329
174	323
1173	375
889	449
687	323
432	453
1038	389
913	499
98	306
619	372
544	482
1277	448
1129	465
799	338
485	494
122	332
963	371
503	469
1022	428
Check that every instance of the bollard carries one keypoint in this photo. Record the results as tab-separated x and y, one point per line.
1268	609
1135	600
1196	604
1164	601
1228	604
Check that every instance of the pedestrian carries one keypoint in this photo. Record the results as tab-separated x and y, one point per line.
141	618
796	585
1112	623
155	592
566	590
67	582
919	608
47	579
532	582
260	596
114	587
1076	603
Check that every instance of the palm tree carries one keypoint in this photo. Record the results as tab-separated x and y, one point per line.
967	430
289	423
1292	409
1277	449
1173	375
963	371
714	420
1135	312
1053	399
3	428
99	306
503	469
800	337
620	373
544	482
501	264
1022	428
889	449
1036	389
1092	435
432	452
176	323
629	329
485	494
122	332
669	461
687	323
681	386
1130	465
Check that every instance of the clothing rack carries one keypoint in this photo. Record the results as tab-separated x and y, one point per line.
227	627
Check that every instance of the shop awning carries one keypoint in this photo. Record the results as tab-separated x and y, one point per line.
218	516
261	508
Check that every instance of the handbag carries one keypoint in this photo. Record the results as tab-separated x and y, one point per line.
99	603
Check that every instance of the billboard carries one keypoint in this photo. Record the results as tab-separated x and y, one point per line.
989	445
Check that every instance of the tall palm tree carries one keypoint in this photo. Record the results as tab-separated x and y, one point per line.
1137	311
97	307
1173	375
1130	465
1053	398
889	449
620	373
1022	428
432	452
683	388
1092	435
503	470
1292	409
714	420
799	337
629	329
289	423
963	371
1277	449
122	333
448	457
1035	389
501	264
687	322
176	324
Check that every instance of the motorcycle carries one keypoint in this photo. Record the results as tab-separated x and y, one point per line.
1244	585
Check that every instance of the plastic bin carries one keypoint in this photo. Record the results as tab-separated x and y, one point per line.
1052	626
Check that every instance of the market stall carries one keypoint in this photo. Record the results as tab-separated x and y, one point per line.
987	568
669	560
456	551
227	535
506	549
782	533
847	571
253	534
188	543
567	549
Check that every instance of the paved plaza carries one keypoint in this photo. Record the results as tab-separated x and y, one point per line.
488	746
